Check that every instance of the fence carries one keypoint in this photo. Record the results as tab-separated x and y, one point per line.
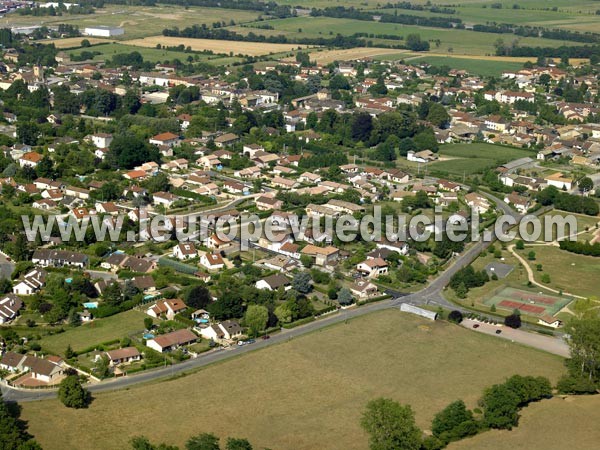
178	266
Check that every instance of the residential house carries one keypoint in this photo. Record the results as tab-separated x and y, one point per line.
59	258
372	268
123	356
171	341
274	282
477	202
185	250
212	261
166	308
32	282
10	305
168	139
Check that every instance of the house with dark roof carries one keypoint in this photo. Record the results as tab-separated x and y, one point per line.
274	282
171	341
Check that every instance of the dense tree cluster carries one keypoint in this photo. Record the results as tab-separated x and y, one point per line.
568	202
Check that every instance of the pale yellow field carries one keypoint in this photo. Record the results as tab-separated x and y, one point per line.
243	48
522	59
328	56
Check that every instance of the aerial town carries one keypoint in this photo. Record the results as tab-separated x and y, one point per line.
134	294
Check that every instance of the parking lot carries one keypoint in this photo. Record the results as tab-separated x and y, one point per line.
548	344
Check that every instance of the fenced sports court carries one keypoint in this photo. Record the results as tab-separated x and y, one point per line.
528	302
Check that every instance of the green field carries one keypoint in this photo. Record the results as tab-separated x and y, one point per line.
149	54
479	67
569	272
461	41
474	158
306	393
558	423
96	332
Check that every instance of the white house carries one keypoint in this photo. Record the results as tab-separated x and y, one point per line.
32	282
185	250
274	282
373	267
102	140
123	356
168	308
212	261
10	305
171	341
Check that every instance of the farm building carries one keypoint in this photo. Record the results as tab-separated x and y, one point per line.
407	307
103	31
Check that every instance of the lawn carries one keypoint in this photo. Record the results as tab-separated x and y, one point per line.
303	394
474	158
557	423
96	332
569	272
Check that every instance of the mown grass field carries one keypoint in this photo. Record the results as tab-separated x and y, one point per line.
569	272
474	158
96	332
557	423
479	67
138	21
108	50
304	394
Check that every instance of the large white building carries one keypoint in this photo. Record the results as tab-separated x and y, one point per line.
103	31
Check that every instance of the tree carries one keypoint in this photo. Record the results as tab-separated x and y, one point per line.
520	245
301	282
307	261
198	297
72	393
413	42
584	345
513	321
148	322
204	441
585	184
238	444
390	425
438	115
500	407
12	432
256	318
127	150
344	297
455	316
454	422
283	313
531	256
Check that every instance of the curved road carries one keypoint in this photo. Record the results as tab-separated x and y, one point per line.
431	294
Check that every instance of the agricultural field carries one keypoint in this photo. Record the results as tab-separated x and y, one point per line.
570	422
217	46
305	393
96	332
460	41
469	159
323	56
138	21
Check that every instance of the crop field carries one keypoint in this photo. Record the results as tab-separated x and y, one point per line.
96	332
306	393
475	158
217	46
558	423
138	21
329	56
460	41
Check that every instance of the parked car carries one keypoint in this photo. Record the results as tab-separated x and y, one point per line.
498	331
250	341
240	343
476	325
265	337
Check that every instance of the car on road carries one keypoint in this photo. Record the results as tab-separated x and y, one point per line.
240	343
250	341
498	331
476	325
265	337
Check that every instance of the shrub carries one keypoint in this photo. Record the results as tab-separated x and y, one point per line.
513	321
455	316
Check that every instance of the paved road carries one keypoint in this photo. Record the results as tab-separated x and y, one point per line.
431	295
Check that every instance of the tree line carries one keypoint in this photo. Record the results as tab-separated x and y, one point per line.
568	202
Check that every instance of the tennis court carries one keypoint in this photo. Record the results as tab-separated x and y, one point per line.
536	304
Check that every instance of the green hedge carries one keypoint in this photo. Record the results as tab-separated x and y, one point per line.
297	323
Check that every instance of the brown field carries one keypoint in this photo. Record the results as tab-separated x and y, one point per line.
306	393
74	42
243	48
552	424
